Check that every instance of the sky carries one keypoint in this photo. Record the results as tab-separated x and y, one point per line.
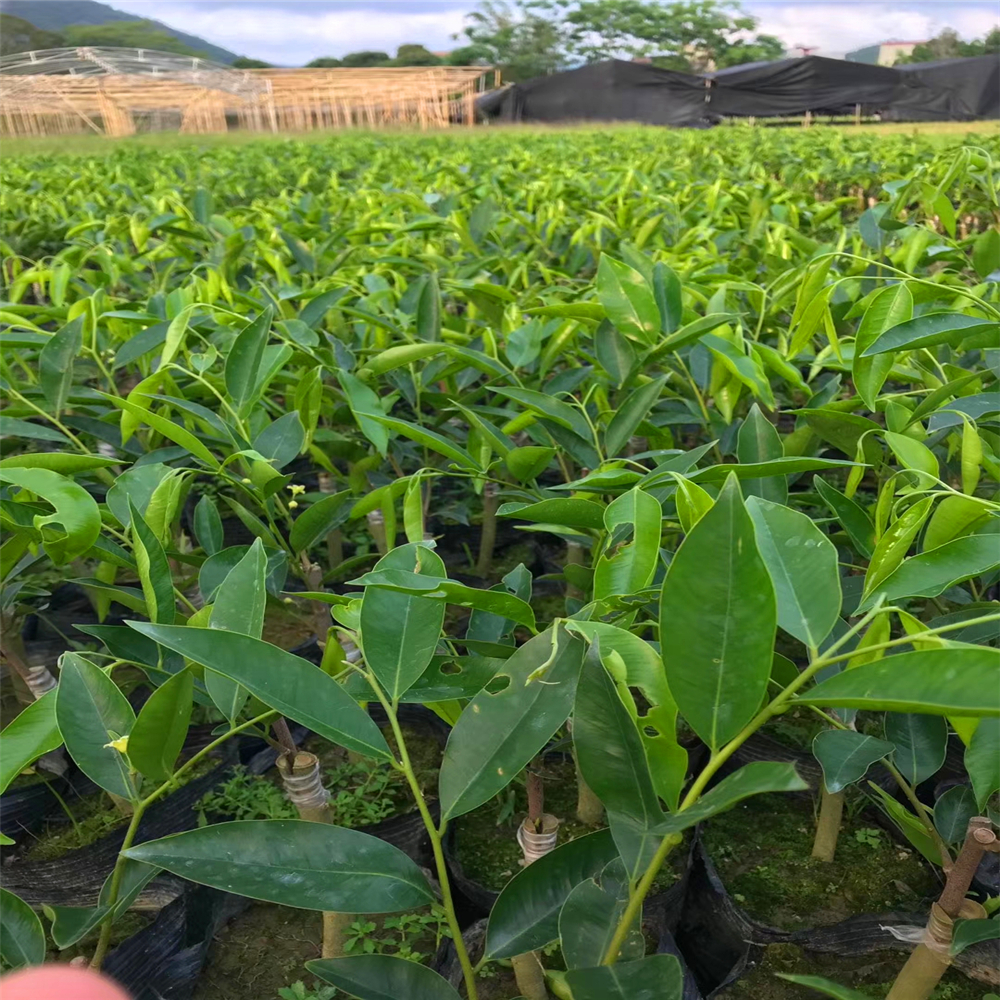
291	32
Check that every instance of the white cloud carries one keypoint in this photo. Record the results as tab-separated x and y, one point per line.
836	28
293	37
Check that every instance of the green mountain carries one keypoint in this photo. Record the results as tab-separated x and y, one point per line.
58	15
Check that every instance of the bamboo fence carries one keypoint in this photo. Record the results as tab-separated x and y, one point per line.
118	92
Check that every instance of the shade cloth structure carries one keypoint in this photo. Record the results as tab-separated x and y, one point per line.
608	91
795	86
948	90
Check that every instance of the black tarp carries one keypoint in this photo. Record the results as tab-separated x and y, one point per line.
795	86
948	90
611	91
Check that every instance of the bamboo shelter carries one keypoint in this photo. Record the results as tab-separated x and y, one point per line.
120	91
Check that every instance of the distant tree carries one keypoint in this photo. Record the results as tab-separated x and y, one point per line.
416	55
762	48
520	37
948	45
468	55
324	62
688	34
360	60
18	35
245	62
127	34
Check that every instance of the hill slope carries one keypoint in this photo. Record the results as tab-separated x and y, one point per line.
54	15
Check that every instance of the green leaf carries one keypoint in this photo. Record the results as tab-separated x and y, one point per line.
970	932
986	253
498	734
560	413
525	917
161	727
630	413
643	669
526	464
208	525
952	813
742	366
428	311
669	298
429	439
570	513
628	300
91	712
22	937
656	977
399	631
64	462
846	755
497	602
76	512
55	364
752	779
27	736
758	441
954	517
787	466
281	440
292	686
365	406
382	977
908	825
318	520
154	571
982	760
693	331
243	362
894	544
615	353
920	742
949	681
825	986
912	454
933	572
238	606
717	622
162	425
608	748
888	308
936	328
588	922
803	565
852	516
14	427
313	866
629	566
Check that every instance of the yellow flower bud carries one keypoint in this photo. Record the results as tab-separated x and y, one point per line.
120	744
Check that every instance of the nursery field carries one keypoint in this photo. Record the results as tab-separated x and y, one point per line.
510	564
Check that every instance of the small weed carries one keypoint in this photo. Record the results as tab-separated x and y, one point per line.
399	934
244	796
363	793
869	835
298	991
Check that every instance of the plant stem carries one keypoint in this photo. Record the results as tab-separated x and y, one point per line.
433	833
831	810
119	871
718	758
488	532
634	907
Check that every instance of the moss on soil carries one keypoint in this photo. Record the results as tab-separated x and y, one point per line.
96	816
761	849
287	625
265	949
870	974
489	852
